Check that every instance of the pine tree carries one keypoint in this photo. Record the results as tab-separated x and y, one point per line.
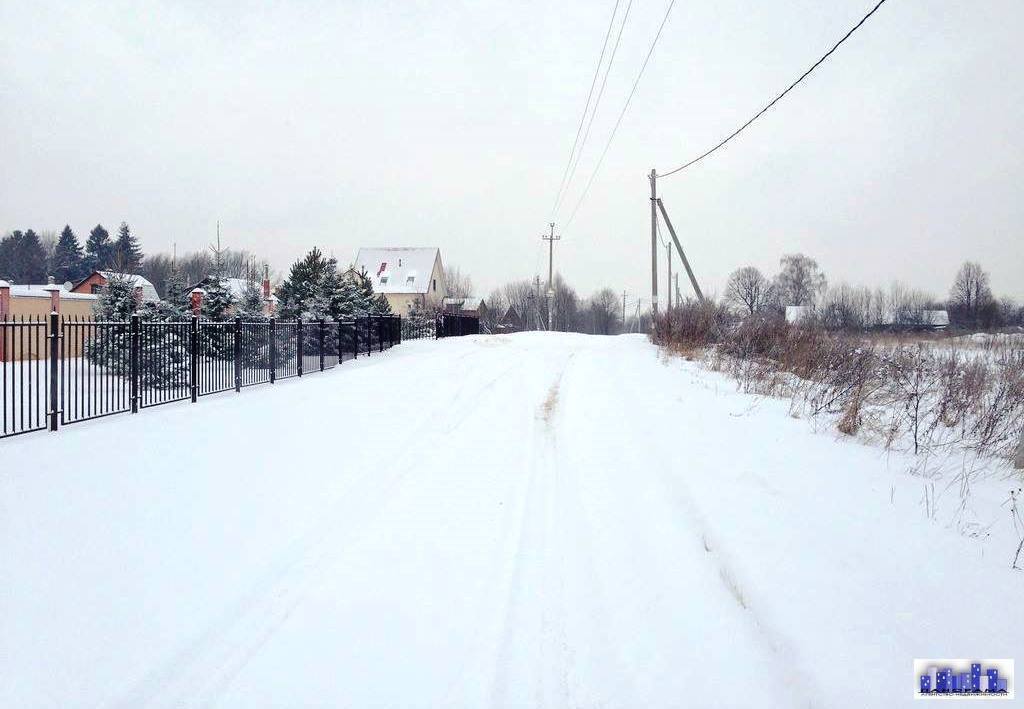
217	301
32	258
127	252
117	299
10	262
174	289
99	250
67	257
309	289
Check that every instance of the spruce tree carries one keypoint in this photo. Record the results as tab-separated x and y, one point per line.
127	252
67	257
10	262
174	289
307	291
32	258
99	250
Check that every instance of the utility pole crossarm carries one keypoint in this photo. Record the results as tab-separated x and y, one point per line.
551	239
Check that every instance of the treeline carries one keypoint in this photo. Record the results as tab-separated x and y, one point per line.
27	257
597	315
31	257
800	282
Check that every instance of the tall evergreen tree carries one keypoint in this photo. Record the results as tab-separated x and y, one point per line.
99	250
10	263
32	257
174	289
67	257
307	291
127	252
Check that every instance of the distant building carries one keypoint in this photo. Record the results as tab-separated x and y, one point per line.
410	278
96	281
236	287
469	305
511	321
799	313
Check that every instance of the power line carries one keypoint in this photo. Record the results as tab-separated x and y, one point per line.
779	97
586	107
600	93
625	107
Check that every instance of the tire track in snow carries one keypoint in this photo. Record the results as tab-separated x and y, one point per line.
202	669
544	634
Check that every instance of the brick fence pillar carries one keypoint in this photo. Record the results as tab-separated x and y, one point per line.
5	309
54	291
197	300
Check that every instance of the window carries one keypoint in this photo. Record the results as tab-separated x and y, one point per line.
383	280
435	285
96	289
410	280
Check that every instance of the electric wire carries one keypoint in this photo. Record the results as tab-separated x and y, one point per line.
586	108
622	114
600	94
775	100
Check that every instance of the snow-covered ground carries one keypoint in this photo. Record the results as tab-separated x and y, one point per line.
531	520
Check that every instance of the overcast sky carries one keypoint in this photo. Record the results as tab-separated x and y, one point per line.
449	124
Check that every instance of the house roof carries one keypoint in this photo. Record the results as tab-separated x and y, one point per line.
469	302
148	290
42	291
234	286
399	269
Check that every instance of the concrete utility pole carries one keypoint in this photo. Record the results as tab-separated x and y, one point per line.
682	254
551	239
654	244
668	287
679	298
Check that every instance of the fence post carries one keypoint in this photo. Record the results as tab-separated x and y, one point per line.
398	329
193	356
380	334
341	350
54	335
133	363
437	327
355	338
273	350
238	353
298	346
322	325
369	335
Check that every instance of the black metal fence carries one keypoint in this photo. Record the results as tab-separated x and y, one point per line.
443	325
55	372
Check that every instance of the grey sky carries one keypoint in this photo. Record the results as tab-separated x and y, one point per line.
415	123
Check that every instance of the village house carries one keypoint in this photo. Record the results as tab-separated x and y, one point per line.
410	278
236	287
96	281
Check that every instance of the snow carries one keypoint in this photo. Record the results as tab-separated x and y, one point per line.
525	520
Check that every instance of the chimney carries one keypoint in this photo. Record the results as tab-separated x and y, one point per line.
138	296
266	283
54	290
197	300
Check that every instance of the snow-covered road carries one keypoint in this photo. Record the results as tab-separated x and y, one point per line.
530	521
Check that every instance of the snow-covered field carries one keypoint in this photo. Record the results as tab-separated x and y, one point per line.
531	520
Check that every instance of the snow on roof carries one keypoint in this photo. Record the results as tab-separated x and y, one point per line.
398	269
148	291
469	302
42	290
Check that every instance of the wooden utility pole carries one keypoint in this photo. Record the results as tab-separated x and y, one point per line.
623	311
551	239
